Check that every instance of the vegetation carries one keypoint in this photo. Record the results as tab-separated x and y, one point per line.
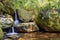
46	11
1	33
48	17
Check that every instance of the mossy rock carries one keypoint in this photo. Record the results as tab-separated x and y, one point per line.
49	20
6	21
27	27
25	15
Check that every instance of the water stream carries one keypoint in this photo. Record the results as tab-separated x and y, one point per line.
15	23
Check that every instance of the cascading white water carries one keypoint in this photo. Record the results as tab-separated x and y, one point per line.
13	30
15	23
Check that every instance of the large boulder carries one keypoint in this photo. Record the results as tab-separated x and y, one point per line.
49	20
27	27
6	21
1	33
25	15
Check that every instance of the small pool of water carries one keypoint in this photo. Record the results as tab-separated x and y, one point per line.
39	36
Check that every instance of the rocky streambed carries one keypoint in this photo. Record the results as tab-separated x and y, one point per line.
36	36
20	28
31	18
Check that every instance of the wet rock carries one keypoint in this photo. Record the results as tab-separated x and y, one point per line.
1	33
25	15
6	21
27	27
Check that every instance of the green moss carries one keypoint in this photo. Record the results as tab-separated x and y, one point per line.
48	20
1	33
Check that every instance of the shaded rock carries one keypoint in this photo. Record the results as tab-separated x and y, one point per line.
6	7
7	28
49	20
1	33
6	21
25	15
27	27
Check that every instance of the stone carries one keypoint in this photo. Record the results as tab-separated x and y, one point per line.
48	20
7	39
6	21
25	15
27	27
1	33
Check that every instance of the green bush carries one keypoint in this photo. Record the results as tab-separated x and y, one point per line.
1	33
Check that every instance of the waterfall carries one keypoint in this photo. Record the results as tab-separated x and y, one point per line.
15	22
13	30
16	19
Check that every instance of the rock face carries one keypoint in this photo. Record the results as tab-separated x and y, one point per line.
1	33
27	27
49	20
6	21
25	15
